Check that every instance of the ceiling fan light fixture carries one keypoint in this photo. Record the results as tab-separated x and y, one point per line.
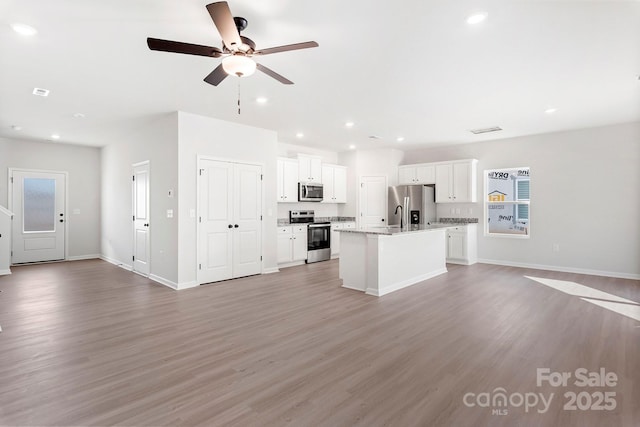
239	65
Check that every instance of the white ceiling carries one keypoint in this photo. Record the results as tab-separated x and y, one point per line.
411	68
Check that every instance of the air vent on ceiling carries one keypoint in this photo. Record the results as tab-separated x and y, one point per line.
40	92
374	137
485	130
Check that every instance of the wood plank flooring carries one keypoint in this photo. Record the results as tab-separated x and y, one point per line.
86	343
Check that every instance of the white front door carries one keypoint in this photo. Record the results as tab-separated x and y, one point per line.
230	228
38	202
141	224
373	201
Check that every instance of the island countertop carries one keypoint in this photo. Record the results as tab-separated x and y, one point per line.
392	230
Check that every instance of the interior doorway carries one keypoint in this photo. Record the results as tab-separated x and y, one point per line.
38	201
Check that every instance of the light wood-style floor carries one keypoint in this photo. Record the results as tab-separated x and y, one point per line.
87	343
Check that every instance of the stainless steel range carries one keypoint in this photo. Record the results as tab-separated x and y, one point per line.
318	235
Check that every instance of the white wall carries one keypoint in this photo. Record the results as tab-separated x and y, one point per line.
292	150
83	167
156	140
205	136
585	197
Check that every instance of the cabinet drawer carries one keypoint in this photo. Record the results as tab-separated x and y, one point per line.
350	225
285	230
299	228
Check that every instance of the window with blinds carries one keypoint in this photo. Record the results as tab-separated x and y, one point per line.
507	202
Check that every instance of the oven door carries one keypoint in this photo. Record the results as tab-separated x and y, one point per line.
318	237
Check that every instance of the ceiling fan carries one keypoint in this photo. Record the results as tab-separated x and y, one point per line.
237	51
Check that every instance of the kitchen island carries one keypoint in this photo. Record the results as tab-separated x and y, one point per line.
381	260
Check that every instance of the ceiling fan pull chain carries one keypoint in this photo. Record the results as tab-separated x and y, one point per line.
238	95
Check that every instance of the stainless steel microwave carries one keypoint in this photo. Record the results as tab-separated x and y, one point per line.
310	192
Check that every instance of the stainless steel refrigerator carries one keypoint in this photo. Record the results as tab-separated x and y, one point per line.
422	204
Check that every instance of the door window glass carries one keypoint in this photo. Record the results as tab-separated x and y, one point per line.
39	204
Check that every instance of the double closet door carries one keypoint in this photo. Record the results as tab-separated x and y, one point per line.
229	220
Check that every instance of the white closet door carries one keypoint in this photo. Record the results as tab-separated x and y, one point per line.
38	202
247	246
215	254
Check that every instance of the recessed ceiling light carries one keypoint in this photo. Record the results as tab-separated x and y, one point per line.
299	135
476	18
79	116
261	100
349	124
55	136
16	127
23	29
40	92
400	139
550	110
352	147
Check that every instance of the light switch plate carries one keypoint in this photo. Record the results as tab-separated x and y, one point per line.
169	213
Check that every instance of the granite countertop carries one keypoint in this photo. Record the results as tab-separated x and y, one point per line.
395	230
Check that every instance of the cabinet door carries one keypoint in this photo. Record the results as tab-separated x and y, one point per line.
316	170
340	185
457	245
310	168
290	181
285	248
304	169
443	184
426	174
328	183
299	243
461	182
280	181
335	238
406	175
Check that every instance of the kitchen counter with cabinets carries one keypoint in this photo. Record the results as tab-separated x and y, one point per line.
378	261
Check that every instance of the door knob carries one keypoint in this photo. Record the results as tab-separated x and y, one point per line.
146	225
230	226
62	220
236	226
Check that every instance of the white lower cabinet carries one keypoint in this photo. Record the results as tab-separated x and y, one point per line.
335	236
462	244
292	244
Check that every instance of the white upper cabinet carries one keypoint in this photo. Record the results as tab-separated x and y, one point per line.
309	168
417	174
456	182
287	180
334	181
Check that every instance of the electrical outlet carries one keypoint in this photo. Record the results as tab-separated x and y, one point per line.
169	213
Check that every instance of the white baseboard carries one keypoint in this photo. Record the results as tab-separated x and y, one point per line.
83	257
116	263
291	264
187	285
163	281
271	270
5	272
562	269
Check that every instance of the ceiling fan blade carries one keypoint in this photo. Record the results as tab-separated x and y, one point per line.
285	48
270	72
180	47
216	76
223	20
